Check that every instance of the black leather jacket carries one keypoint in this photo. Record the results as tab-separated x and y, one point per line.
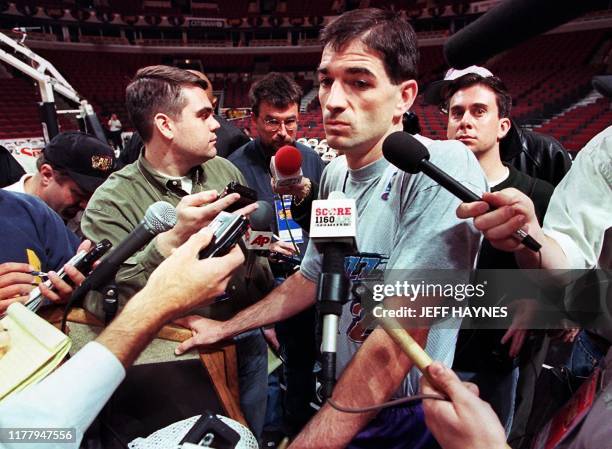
535	154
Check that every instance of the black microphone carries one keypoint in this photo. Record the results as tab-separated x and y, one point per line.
410	155
263	217
507	25
159	217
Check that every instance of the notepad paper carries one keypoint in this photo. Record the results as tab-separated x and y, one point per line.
36	348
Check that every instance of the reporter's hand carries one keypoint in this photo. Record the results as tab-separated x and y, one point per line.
269	335
195	212
299	191
205	332
464	422
516	338
565	335
16	283
184	281
514	211
60	291
284	248
523	313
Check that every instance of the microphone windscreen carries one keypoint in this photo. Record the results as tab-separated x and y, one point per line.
171	435
160	217
263	217
404	151
507	25
288	160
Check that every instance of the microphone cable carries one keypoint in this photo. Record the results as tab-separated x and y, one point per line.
393	403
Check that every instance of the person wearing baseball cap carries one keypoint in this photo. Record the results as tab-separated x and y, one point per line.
537	155
433	93
70	168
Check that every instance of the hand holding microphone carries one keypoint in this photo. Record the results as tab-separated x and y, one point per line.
195	212
464	421
500	215
286	167
260	237
159	218
407	153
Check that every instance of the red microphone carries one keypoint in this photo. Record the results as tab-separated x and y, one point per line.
286	166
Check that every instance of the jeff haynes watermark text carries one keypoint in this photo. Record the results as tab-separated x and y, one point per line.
413	291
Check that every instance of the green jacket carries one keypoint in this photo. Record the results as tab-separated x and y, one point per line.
117	207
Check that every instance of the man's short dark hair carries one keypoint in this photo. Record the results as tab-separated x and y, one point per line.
275	88
383	31
157	89
502	97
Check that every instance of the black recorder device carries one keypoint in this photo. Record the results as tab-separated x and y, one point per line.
82	261
85	262
247	195
227	230
210	431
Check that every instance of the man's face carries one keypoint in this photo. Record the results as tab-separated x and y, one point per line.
64	196
194	133
473	118
276	127
360	105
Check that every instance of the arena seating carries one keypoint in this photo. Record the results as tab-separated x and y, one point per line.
542	83
576	127
18	111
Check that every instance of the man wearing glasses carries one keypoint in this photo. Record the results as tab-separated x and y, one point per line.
275	103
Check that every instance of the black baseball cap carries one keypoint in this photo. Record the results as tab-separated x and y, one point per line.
85	158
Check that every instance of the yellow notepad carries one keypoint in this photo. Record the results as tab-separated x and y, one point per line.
36	348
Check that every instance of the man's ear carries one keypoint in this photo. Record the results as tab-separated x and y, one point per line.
504	126
164	124
408	92
46	174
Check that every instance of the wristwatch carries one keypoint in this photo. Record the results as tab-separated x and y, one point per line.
297	201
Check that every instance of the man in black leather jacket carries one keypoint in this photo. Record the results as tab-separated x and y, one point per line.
537	155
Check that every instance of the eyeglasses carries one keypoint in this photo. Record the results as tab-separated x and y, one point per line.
273	124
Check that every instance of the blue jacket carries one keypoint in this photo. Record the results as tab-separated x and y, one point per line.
254	164
33	233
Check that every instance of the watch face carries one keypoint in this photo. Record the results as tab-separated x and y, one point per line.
299	200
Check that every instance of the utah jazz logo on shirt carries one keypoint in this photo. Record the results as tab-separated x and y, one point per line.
362	267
